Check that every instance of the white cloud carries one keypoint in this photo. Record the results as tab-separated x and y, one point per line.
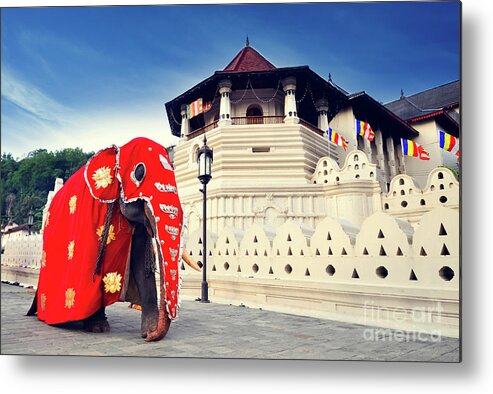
32	120
31	99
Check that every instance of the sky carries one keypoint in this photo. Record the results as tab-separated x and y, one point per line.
89	77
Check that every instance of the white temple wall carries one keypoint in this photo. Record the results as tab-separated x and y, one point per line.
272	104
343	123
428	138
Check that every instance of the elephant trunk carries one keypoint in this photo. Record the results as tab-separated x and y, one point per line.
163	321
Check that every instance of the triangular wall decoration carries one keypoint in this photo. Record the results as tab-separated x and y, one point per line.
382	251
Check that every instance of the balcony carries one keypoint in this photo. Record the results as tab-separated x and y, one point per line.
247	120
253	120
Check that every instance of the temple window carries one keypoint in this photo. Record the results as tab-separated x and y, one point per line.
254	114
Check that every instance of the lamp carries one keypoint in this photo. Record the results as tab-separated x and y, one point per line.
30	219
204	161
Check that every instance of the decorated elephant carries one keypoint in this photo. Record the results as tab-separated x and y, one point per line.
107	230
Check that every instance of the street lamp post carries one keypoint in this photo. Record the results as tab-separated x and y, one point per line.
204	160
30	220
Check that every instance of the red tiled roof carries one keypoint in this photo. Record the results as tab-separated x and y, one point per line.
248	59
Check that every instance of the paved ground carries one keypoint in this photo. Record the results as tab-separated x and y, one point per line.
217	331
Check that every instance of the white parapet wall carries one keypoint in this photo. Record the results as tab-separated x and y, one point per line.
407	201
387	274
22	258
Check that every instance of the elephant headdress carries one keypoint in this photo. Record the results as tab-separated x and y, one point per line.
87	239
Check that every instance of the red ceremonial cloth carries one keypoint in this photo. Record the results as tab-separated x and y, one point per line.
68	287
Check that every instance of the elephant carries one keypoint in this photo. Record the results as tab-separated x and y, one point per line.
106	232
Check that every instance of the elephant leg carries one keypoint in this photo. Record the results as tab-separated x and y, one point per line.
145	281
34	306
97	322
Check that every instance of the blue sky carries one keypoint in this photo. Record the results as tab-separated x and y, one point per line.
91	76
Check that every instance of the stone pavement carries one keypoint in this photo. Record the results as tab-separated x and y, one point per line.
216	331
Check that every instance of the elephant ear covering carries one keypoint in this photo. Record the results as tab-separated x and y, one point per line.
100	174
68	287
157	188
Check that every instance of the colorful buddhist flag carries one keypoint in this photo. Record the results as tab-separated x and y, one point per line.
364	130
207	106
411	148
449	142
195	108
336	138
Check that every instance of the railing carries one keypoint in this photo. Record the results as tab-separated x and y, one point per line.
247	120
202	130
253	120
312	127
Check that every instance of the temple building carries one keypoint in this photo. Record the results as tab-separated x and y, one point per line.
299	225
428	112
268	128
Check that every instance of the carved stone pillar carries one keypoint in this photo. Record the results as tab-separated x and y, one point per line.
185	124
367	149
290	111
381	163
225	105
392	162
322	107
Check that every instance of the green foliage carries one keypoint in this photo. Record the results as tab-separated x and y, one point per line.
25	183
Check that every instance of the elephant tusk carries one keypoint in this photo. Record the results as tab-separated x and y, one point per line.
185	256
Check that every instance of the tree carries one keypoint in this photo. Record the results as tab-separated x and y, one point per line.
25	183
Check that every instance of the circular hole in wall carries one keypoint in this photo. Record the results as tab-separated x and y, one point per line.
288	269
443	199
382	272
404	204
446	273
226	266
330	270
337	179
357	176
255	268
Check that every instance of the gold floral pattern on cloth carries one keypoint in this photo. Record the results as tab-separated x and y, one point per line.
71	247
47	220
69	298
112	282
43	259
72	204
102	177
111	234
43	302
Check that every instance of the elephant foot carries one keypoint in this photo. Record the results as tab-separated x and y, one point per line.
97	322
96	326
